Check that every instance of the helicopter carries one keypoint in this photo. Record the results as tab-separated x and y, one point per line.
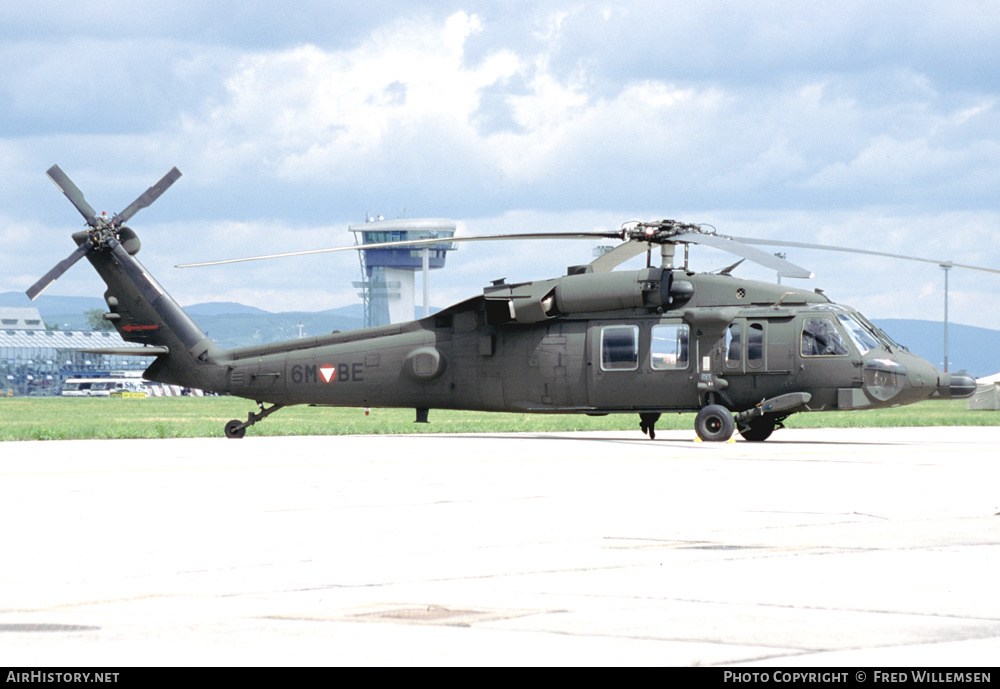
743	355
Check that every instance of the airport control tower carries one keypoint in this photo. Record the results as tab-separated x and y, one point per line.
387	288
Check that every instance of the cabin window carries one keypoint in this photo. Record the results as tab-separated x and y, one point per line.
620	348
755	343
669	348
821	338
733	340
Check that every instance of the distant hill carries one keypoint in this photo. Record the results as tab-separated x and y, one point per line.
231	324
230	330
65	312
352	311
971	349
219	308
47	305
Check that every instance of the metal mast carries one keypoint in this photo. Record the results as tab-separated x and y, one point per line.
946	268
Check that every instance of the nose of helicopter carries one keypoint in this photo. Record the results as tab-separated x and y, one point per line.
936	384
905	378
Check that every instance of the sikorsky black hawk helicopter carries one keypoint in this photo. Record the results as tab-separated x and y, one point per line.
742	354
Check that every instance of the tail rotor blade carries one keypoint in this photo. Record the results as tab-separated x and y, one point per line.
73	193
57	271
147	198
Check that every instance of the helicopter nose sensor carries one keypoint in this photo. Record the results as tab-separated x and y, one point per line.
955	386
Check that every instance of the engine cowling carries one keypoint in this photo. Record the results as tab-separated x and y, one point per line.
533	302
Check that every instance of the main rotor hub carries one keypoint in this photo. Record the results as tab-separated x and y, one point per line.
660	232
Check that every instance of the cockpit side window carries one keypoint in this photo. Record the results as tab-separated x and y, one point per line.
820	337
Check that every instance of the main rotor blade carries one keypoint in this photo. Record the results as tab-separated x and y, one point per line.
607	262
414	242
73	193
827	247
737	247
147	197
56	272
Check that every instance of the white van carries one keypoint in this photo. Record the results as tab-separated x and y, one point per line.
101	387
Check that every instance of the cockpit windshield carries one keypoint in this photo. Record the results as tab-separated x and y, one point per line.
864	339
882	335
863	334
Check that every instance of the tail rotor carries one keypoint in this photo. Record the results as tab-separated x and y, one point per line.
102	233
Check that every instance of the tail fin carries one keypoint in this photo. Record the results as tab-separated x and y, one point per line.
143	312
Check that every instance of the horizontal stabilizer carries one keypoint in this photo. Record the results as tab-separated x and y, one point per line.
128	351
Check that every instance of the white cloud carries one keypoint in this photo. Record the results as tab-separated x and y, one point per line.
309	111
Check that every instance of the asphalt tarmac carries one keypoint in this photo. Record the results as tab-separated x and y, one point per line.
876	547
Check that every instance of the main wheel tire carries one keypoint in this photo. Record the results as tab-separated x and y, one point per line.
714	423
758	430
235	429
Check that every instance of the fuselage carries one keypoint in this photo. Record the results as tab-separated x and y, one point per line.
717	340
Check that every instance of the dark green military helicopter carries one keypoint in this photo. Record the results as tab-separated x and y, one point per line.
742	354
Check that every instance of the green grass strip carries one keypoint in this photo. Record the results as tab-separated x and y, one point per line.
66	418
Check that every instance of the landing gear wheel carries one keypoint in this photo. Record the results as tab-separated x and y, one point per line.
235	429
238	429
714	423
758	430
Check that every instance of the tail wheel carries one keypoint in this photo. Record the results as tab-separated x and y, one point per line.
714	423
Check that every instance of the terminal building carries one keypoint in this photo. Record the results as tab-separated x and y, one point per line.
387	287
34	361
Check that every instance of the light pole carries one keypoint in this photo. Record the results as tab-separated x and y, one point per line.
946	269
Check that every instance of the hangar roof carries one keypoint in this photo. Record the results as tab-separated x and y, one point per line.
20	318
60	339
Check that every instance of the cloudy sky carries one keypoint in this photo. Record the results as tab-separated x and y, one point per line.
867	124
